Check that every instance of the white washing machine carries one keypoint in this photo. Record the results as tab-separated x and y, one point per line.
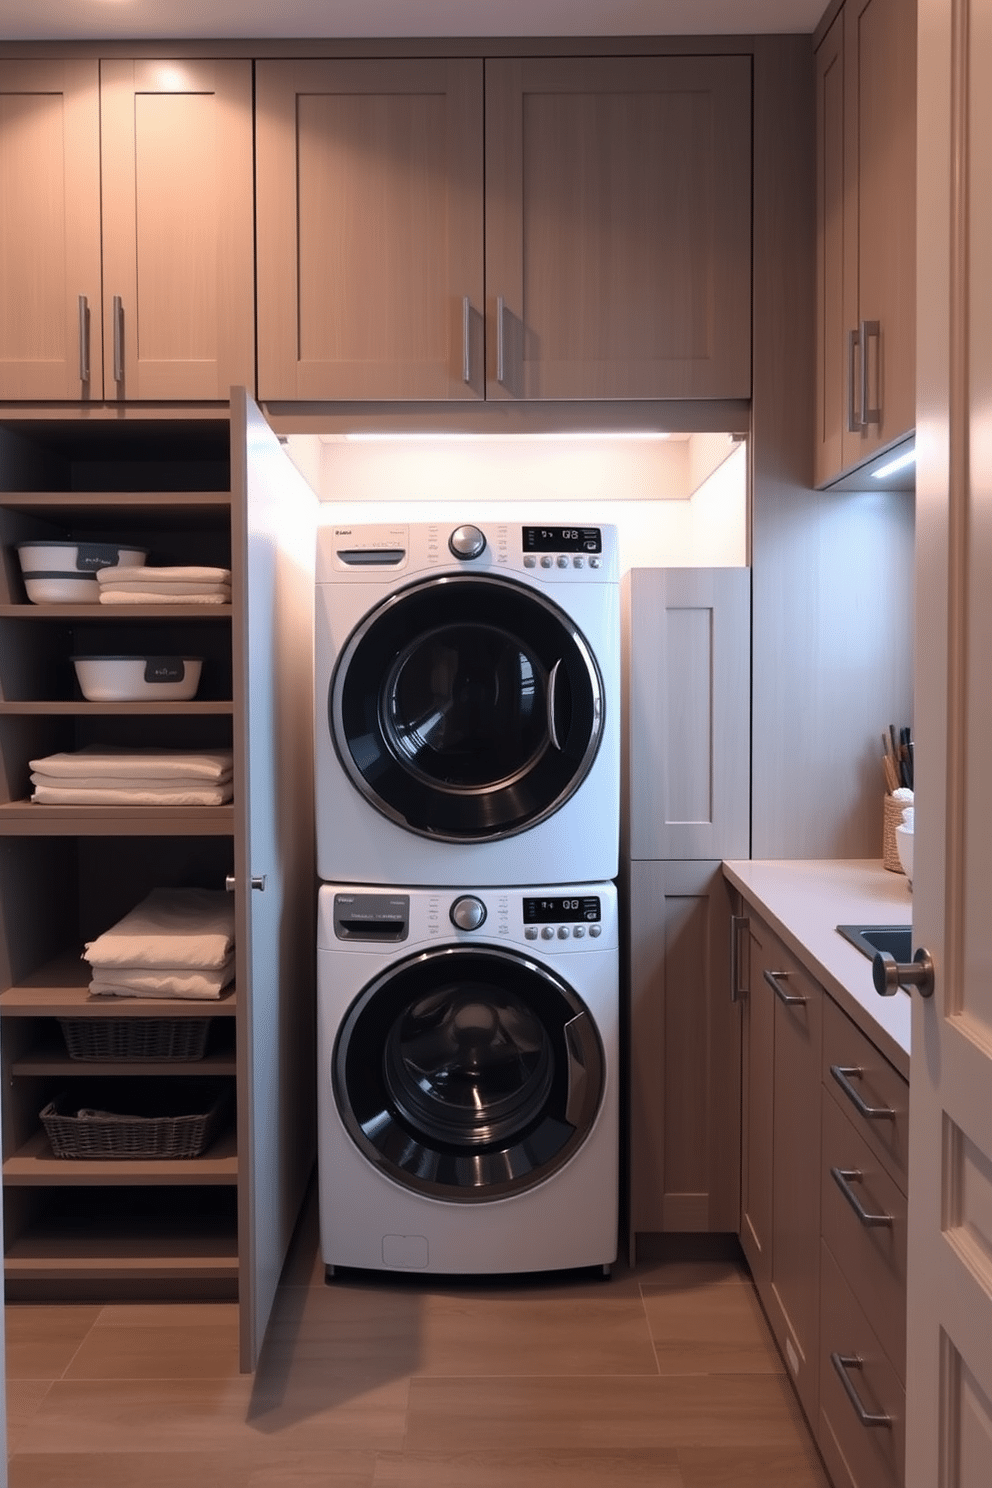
467	704
467	1078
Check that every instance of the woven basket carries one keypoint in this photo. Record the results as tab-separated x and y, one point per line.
892	811
135	1038
179	1121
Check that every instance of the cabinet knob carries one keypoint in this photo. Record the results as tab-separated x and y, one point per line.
889	975
257	882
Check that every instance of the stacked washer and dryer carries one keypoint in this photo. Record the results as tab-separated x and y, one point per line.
468	783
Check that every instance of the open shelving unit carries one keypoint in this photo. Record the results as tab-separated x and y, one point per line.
69	872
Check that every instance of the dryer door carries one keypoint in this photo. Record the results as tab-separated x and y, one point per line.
468	1073
466	708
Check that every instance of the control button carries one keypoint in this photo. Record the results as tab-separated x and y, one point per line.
530	932
595	930
595	562
578	931
578	561
547	562
468	912
467	542
530	561
562	932
547	932
562	561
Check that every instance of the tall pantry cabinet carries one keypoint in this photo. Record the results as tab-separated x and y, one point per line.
210	491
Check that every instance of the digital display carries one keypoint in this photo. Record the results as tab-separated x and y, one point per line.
563	540
561	911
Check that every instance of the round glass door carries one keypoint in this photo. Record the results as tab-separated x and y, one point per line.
466	708
468	1074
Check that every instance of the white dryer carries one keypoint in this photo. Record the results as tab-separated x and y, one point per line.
468	1078
467	704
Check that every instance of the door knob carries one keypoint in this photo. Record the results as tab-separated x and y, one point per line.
889	975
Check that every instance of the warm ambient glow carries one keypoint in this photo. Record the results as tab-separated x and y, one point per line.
899	463
380	436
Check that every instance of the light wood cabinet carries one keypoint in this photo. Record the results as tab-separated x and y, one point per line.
684	1052
606	256
218	1223
866	227
127	266
783	1185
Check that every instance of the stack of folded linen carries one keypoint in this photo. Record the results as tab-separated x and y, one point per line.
175	943
107	775
168	586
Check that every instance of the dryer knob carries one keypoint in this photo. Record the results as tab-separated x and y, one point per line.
467	542
468	913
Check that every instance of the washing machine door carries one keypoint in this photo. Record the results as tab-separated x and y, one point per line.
468	1074
466	708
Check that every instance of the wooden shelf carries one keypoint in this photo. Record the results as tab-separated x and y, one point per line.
49	1057
83	709
102	612
33	1165
60	989
87	503
29	818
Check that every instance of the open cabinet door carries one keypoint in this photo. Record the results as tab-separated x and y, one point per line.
273	525
949	1373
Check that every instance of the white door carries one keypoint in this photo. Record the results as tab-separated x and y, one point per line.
273	526
949	1380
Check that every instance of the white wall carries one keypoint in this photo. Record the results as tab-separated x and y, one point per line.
647	486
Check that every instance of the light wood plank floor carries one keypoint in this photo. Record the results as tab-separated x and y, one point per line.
661	1377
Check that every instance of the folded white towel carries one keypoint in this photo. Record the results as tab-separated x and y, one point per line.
185	574
150	597
74	795
185	586
134	982
171	929
138	765
112	782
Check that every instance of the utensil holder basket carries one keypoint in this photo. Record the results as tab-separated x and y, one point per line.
892	811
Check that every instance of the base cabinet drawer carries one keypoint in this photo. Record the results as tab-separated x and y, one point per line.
863	1221
862	1401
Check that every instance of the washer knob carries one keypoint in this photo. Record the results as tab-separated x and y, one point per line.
467	542
468	912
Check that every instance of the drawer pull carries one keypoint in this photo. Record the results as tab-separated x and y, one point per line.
774	979
844	1177
842	1363
843	1076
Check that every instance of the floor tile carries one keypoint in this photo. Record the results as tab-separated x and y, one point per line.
536	1469
42	1340
160	1341
603	1412
712	1329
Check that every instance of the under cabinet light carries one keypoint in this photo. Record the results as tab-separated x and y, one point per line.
899	463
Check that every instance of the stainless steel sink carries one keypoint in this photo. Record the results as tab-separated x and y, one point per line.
870	939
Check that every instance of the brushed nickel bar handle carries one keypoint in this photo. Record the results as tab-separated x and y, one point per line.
854	422
500	341
842	1363
84	339
791	999
843	1075
739	925
118	339
844	1177
466	340
869	329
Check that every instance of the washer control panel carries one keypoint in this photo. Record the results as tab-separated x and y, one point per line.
562	917
557	919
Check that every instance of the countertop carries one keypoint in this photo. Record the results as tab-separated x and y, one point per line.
804	900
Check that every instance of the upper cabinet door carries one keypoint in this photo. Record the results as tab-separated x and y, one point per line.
50	342
866	233
370	252
618	227
178	259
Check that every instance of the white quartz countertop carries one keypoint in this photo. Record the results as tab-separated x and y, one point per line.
804	901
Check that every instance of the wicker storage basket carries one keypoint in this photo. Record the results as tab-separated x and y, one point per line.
892	811
135	1038
178	1119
